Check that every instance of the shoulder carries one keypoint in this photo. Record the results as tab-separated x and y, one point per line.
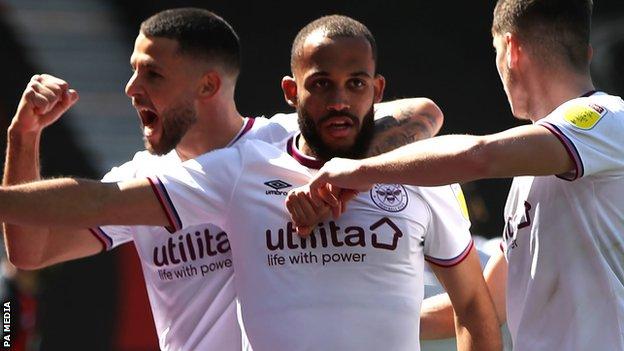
284	119
587	113
275	129
444	198
248	149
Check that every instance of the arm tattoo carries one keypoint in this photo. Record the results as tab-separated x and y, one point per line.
392	132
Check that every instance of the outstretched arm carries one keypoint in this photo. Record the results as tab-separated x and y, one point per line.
81	203
44	101
526	150
475	321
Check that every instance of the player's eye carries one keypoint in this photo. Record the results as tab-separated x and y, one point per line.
153	75
321	83
357	83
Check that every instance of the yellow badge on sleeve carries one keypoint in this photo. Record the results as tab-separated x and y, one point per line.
461	200
584	116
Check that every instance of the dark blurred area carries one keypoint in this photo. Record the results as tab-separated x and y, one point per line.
440	50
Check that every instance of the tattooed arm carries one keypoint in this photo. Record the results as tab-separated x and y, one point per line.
397	123
403	121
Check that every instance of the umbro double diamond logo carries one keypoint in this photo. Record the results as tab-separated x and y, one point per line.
277	186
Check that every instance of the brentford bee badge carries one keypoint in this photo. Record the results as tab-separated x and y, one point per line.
389	197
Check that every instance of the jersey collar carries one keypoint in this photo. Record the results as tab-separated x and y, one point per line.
589	93
304	160
247	124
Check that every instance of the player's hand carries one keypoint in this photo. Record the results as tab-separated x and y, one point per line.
305	212
338	176
44	101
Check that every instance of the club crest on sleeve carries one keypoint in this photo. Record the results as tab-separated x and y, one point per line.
389	197
584	116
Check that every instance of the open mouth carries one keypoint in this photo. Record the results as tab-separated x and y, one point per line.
148	119
338	122
338	126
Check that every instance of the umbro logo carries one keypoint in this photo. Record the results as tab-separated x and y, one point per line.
277	186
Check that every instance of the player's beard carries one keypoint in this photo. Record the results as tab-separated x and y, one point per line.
325	152
175	123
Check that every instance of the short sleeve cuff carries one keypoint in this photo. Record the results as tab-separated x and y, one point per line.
570	148
163	197
105	240
451	261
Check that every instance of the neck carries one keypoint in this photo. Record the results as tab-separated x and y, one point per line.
216	126
303	147
546	91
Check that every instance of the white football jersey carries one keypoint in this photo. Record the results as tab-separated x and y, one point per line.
188	272
564	237
355	284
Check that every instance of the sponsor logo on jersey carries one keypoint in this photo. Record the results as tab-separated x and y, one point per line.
584	116
389	197
188	247
382	234
277	186
514	223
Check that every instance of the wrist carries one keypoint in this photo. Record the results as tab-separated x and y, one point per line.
16	129
17	134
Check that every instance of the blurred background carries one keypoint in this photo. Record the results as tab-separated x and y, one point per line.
441	50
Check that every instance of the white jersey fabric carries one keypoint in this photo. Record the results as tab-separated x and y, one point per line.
565	237
188	272
355	284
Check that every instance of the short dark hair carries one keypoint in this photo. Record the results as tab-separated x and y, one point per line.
200	33
333	26
558	28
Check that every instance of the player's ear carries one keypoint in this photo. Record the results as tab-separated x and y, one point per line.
289	87
209	84
513	50
379	86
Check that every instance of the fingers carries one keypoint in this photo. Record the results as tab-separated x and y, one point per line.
45	99
294	208
345	196
300	208
305	212
44	92
304	231
319	182
328	196
68	100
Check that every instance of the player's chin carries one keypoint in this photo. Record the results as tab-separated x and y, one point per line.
342	151
343	146
155	146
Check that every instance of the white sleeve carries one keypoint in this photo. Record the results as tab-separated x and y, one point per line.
200	190
124	172
115	235
276	129
591	134
447	239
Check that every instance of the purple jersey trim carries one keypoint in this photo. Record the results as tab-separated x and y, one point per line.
572	152
105	240
451	261
249	122
589	93
304	160
175	223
